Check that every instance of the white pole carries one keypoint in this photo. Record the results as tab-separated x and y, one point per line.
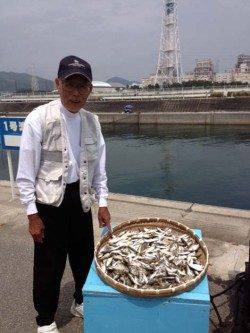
11	173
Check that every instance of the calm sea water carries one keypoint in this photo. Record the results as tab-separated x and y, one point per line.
209	165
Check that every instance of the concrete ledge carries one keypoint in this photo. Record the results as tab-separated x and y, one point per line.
172	204
232	212
198	118
192	207
191	118
150	201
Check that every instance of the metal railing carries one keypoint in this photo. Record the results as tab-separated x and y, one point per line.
130	94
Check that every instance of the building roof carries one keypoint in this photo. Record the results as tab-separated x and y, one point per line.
101	84
117	85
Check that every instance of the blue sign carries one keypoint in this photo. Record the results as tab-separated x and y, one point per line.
10	132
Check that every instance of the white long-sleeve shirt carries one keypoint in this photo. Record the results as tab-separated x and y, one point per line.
30	153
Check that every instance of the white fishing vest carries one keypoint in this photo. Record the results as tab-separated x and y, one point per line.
52	175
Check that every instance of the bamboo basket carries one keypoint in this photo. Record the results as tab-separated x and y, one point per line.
177	228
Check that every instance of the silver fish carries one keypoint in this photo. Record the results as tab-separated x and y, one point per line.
150	258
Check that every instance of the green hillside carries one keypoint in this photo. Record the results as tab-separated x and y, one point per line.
21	82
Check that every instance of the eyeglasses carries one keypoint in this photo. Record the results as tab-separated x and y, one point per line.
83	88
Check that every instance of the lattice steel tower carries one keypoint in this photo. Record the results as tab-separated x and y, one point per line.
33	79
169	62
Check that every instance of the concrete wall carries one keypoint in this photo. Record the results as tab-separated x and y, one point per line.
233	111
112	118
242	118
177	118
196	118
159	105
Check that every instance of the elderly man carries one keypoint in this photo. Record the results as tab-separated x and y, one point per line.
61	173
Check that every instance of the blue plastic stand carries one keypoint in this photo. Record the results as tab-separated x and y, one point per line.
106	310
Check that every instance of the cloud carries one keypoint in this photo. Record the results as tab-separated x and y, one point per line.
234	4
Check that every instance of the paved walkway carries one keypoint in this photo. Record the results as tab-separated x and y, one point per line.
226	232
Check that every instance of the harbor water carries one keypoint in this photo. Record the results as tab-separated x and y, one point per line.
202	164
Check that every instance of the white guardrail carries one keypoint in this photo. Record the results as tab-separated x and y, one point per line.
128	94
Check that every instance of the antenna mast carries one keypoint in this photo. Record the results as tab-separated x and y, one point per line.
169	61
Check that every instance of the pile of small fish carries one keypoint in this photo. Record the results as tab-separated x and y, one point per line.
150	258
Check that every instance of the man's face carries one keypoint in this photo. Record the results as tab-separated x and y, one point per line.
74	91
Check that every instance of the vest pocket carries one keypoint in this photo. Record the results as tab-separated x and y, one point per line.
91	148
50	171
49	183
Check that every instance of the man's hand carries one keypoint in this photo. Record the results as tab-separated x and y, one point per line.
104	217
36	227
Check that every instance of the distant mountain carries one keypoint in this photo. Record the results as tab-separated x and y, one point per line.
120	80
20	82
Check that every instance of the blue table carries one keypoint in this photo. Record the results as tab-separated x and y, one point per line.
106	310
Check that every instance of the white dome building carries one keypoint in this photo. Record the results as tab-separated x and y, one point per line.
99	84
102	87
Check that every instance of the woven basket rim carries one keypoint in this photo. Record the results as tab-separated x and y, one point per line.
150	292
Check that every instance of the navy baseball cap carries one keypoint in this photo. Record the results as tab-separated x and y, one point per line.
73	65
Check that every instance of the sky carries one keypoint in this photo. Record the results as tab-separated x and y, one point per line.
118	38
